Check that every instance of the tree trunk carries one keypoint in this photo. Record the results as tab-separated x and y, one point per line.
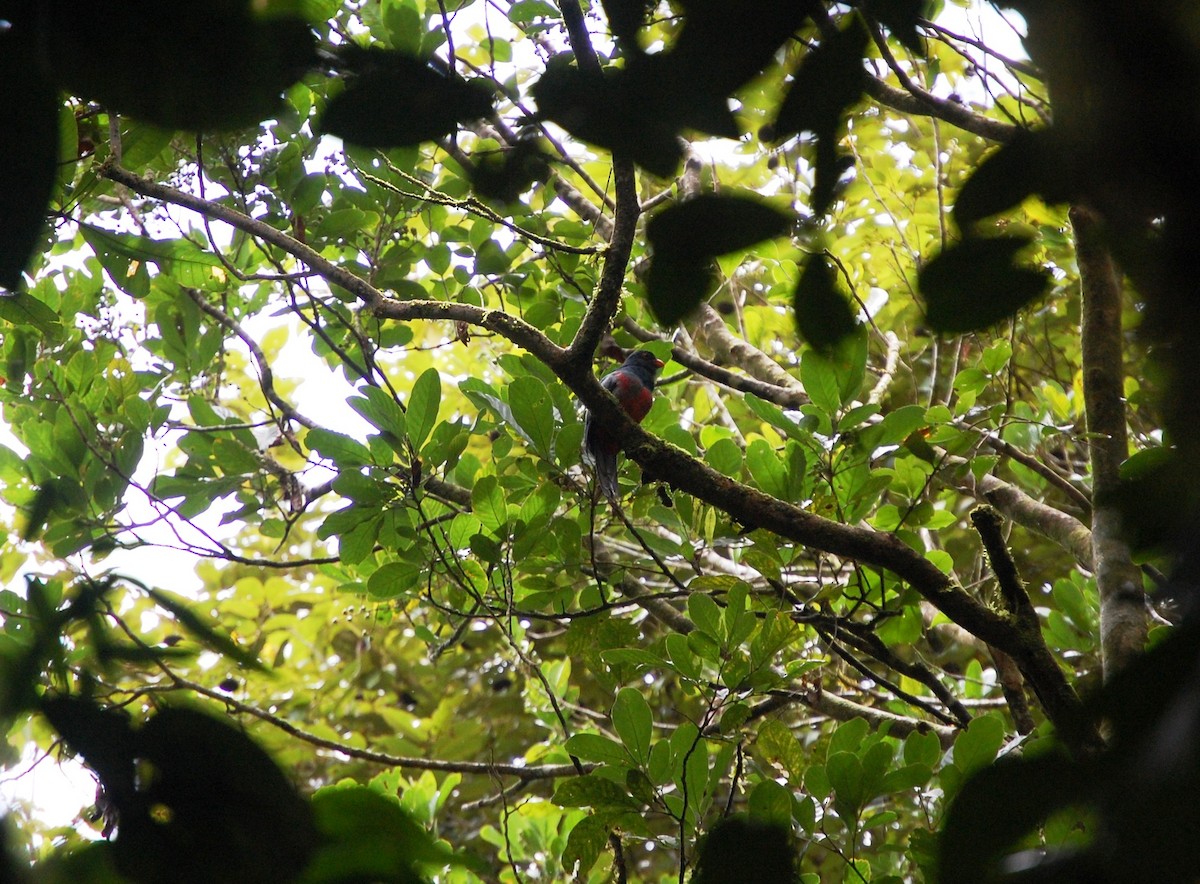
1123	620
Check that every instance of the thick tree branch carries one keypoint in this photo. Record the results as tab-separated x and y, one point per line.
729	348
1016	598
607	296
1053	524
627	209
1123	621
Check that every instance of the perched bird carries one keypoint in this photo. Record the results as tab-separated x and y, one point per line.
633	385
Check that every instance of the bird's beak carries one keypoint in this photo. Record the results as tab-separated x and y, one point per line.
658	363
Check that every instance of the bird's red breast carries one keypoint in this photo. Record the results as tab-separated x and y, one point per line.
634	396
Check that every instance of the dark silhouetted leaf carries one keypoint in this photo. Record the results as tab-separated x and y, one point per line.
664	92
625	17
736	851
714	224
823	314
901	18
676	286
610	111
102	736
367	836
207	633
233	815
214	808
724	45
828	166
1026	165
395	100
505	175
23	309
1000	805
29	145
179	65
830	79
974	284
1150	498
50	494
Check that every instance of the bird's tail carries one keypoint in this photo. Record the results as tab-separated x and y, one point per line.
605	467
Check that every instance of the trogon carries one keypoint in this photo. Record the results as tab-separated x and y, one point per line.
633	385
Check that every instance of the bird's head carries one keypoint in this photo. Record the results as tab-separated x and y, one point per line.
644	364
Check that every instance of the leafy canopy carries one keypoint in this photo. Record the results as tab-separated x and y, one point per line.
318	300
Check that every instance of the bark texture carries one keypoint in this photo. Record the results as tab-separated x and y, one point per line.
1123	618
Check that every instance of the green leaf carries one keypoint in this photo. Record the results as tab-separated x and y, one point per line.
424	403
706	614
381	411
771	803
823	314
849	736
922	748
341	449
393	99
766	468
487	502
525	11
724	456
692	749
631	657
681	655
595	747
633	723
897	426
591	790
368	836
533	412
1146	463
978	744
397	579
23	309
973	284
845	774
819	376
188	264
588	839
